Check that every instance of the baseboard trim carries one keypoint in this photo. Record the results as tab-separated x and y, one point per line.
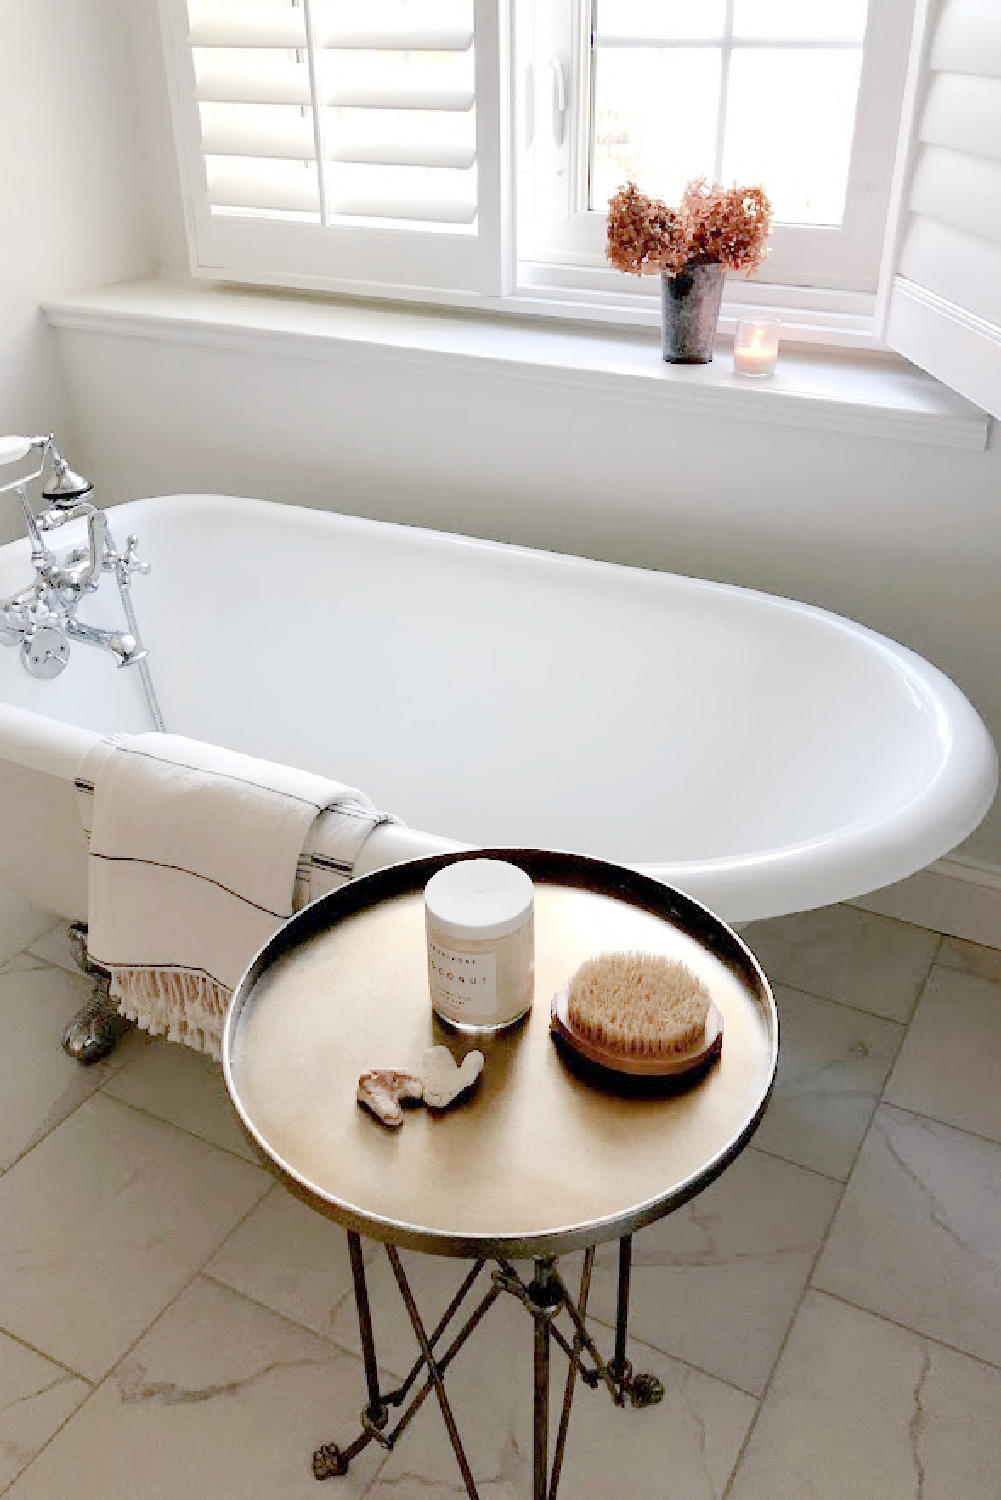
958	895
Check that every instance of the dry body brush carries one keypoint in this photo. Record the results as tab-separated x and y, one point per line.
712	225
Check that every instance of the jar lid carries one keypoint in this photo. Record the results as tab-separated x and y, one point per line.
479	898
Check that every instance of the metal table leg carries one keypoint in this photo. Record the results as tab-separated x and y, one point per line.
433	1370
573	1369
377	1412
546	1297
642	1390
330	1460
544	1300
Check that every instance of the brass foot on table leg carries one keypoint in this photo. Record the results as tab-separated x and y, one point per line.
645	1390
642	1390
328	1462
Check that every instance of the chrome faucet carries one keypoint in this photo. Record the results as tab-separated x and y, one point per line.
42	617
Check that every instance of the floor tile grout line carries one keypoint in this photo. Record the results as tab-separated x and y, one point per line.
766	1388
48	966
97	1384
23	1155
925	982
354	1354
791	1162
274	1312
49	1358
919	1114
877	1097
859	1010
917	1333
678	1359
262	1162
877	1100
25	1467
240	1291
962	968
21	952
36	965
898	921
101	1088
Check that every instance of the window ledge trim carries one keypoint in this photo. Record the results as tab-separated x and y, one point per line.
882	397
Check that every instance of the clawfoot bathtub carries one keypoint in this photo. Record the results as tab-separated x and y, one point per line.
762	755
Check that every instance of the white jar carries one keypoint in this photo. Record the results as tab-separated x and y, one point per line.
480	919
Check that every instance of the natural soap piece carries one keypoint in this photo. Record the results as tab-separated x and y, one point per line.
444	1079
381	1090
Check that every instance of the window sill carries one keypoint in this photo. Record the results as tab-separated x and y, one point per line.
863	394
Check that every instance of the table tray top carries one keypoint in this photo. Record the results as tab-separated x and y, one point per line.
537	1158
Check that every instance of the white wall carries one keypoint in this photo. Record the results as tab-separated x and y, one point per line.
72	189
905	537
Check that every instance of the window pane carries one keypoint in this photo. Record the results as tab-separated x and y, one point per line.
790	120
655	119
672	20
801	20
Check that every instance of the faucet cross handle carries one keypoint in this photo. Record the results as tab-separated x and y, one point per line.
131	561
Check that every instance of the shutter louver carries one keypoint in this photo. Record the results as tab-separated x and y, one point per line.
943	301
331	143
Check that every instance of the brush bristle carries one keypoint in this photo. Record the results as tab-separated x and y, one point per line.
638	1004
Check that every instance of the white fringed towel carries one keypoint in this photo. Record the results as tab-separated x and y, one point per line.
197	855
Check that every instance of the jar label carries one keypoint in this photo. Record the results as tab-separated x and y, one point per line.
463	985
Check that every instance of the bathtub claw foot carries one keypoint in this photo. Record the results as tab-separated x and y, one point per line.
96	1029
78	948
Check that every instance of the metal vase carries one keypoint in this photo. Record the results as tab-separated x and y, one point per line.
689	311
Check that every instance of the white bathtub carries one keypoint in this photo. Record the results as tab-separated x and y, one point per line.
764	756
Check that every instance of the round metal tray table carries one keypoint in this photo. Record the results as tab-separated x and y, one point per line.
542	1157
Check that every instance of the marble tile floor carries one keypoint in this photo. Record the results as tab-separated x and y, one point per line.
826	1318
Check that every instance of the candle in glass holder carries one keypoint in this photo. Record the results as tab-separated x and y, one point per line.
756	348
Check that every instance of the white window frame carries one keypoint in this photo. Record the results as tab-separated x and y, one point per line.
561	242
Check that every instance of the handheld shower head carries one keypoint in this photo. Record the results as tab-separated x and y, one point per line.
65	486
13	448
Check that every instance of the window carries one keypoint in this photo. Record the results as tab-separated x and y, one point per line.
662	90
461	150
677	92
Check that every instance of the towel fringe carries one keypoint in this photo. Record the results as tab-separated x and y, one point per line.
181	1006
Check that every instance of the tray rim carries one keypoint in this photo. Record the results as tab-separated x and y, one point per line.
603	877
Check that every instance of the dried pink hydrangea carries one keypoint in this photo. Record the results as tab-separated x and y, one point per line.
644	235
713	224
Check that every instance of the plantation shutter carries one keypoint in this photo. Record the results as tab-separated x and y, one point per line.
342	144
942	296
